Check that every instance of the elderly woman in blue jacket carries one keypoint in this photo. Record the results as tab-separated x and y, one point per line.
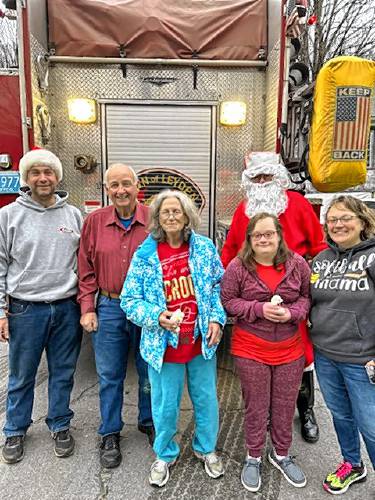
172	291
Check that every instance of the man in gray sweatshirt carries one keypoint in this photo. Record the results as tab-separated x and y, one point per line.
39	236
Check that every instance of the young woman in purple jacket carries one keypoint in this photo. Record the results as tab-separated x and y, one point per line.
266	290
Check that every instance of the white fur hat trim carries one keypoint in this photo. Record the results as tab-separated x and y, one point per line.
40	157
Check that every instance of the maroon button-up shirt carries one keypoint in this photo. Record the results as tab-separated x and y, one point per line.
105	252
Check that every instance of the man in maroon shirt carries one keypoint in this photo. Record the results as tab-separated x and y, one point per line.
109	238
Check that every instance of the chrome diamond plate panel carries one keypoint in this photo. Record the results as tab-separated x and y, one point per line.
36	49
232	143
107	82
272	89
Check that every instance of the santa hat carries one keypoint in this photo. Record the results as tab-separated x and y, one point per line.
39	156
264	162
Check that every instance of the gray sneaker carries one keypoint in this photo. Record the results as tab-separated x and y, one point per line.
159	473
13	449
250	475
213	464
64	443
292	473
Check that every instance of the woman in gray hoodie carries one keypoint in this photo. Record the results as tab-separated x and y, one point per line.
343	333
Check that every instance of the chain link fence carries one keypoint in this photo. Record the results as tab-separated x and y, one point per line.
8	40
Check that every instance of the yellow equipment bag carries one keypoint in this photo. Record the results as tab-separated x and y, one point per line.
341	123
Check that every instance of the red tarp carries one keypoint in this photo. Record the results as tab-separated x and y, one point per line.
173	29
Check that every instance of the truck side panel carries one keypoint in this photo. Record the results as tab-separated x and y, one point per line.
10	124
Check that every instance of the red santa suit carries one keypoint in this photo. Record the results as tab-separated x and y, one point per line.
303	234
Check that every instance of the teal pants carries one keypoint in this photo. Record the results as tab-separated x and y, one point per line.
166	393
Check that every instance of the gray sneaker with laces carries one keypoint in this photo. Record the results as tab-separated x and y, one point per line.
251	474
64	443
212	463
159	473
13	449
292	473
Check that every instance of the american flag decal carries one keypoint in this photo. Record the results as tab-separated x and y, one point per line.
351	123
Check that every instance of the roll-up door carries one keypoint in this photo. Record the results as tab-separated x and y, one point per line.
169	136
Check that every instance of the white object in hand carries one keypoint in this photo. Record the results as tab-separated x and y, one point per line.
276	300
178	316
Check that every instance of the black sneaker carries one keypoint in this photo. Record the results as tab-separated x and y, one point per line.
110	453
13	449
64	443
149	430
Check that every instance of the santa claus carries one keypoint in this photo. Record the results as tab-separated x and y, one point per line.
265	181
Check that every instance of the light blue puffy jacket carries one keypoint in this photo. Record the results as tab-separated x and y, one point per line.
143	299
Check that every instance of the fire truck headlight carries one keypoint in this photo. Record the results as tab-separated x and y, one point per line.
232	113
82	110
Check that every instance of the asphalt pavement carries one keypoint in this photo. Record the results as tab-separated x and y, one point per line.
41	475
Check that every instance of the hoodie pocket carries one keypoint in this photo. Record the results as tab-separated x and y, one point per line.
336	331
48	284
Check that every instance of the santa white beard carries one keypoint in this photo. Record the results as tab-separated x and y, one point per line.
269	197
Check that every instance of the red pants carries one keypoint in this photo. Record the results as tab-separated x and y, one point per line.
309	351
269	390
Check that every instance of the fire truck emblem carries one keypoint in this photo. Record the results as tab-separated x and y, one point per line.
351	123
154	180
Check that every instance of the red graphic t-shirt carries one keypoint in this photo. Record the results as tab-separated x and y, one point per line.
179	294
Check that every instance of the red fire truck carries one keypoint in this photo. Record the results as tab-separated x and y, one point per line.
180	90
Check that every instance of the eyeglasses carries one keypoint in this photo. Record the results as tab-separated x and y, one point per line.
165	214
345	219
258	236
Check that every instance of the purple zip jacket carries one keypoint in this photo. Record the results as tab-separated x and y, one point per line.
243	294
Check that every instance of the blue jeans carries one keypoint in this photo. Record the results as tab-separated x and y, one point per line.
33	328
351	400
111	344
166	393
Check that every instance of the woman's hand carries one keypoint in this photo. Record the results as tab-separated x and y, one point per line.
214	334
168	324
286	315
274	313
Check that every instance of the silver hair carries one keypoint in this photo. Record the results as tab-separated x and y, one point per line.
131	170
188	207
